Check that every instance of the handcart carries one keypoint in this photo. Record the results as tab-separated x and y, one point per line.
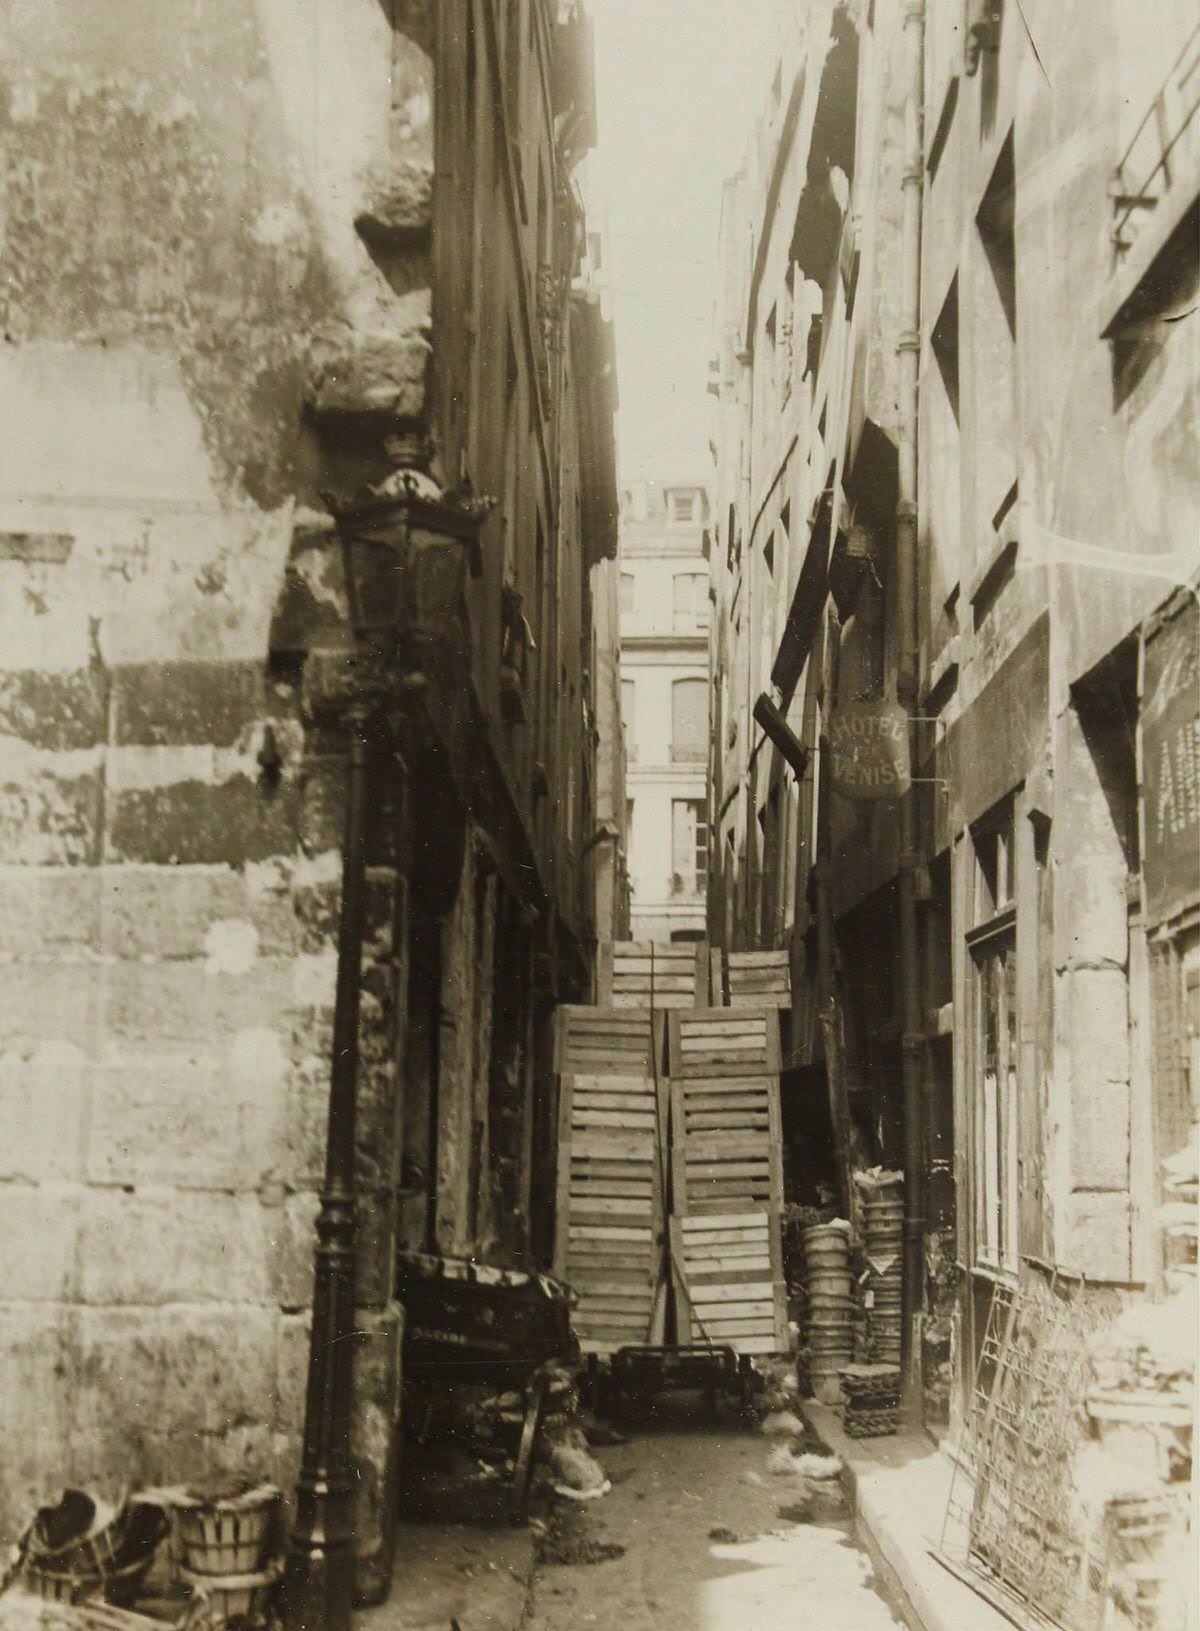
486	1324
642	1370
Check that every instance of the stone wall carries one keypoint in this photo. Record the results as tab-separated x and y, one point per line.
180	216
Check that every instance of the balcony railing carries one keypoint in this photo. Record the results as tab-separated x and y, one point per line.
1159	157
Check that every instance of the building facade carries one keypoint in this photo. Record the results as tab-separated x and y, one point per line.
955	493
664	608
265	261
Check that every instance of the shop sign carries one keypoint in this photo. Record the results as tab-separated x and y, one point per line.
869	750
1170	716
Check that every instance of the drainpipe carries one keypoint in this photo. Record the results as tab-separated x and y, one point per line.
908	354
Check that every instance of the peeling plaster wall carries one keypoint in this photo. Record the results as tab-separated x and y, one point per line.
180	187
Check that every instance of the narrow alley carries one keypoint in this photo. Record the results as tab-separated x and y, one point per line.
599	815
711	1538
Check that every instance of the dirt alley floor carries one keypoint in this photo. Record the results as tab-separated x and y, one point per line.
713	1540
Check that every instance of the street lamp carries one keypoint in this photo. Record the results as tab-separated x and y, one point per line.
406	549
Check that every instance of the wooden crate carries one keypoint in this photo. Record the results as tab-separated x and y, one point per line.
608	1041
729	1286
609	1215
758	979
724	1042
643	974
726	1142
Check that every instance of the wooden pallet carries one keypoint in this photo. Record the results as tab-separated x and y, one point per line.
722	1042
729	1286
758	979
643	974
609	1215
726	1143
608	1041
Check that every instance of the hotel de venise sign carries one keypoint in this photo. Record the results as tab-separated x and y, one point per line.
869	750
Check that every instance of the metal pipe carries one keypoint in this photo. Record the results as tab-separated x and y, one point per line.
912	1040
829	1008
319	1586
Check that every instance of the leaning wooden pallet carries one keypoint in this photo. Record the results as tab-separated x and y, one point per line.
609	1239
608	1041
729	1285
758	979
640	974
726	1140
724	1042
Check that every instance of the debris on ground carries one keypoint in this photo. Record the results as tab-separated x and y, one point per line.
566	1540
800	1511
723	1535
599	1433
777	1383
576	1473
783	1462
818	1466
781	1424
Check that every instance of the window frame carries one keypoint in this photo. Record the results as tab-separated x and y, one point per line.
679	497
994	1095
678	753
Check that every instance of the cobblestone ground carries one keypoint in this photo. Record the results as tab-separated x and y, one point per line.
712	1540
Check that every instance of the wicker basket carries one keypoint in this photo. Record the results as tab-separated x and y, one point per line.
233	1596
58	1588
78	1535
228	1536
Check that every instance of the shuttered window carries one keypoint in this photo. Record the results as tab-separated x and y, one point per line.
689	721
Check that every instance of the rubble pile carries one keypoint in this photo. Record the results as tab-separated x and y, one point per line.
1134	1477
1179	1216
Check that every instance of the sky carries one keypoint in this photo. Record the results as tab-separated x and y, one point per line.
678	84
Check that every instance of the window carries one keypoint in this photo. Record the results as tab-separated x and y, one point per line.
945	119
683	507
629	717
996	1102
701	848
944	344
995	222
626	594
689	843
994	1043
990	328
690	591
1150	320
689	721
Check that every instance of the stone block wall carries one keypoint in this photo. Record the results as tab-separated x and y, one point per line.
181	197
163	1080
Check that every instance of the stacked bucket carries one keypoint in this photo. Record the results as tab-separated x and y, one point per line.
883	1231
830	1306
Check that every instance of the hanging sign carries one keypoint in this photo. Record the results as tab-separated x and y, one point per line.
1170	719
869	750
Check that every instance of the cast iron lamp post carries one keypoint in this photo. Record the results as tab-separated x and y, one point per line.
406	550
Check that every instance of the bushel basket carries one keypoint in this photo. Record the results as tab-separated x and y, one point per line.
229	1535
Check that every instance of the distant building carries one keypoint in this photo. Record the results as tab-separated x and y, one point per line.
664	703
